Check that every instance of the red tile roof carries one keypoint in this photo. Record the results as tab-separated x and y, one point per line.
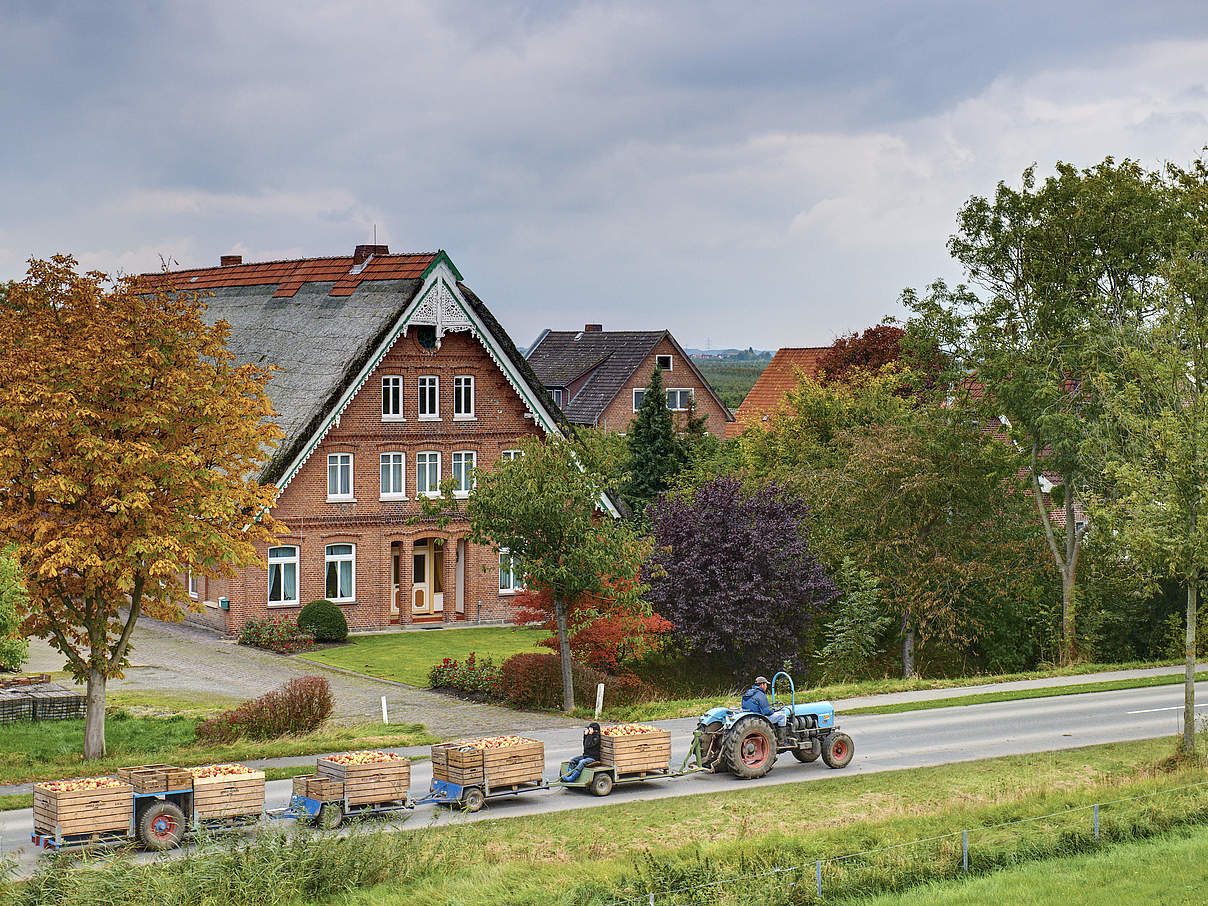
777	379
289	276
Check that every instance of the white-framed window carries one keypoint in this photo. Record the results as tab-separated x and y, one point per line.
282	576
638	396
193	585
464	462
511	577
429	397
559	396
394	470
509	455
340	562
339	476
663	362
392	398
679	399
427	474
463	396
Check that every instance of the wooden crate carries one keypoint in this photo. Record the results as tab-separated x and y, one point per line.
57	703
16	705
637	754
504	767
70	812
322	789
375	783
228	795
156	778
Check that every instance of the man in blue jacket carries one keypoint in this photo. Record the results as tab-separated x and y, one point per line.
756	699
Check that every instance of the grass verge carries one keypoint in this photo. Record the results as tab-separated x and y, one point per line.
406	657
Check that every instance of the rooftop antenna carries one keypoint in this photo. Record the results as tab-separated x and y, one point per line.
375	234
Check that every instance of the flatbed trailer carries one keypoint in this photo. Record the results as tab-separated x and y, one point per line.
473	797
330	813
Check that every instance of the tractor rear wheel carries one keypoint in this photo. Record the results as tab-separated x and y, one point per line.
805	756
837	750
751	748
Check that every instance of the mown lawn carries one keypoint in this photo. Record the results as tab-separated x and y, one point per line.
406	657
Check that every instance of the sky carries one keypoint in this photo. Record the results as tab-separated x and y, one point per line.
745	174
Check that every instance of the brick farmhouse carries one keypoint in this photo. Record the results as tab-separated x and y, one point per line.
392	376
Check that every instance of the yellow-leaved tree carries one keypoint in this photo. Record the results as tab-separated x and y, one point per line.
131	446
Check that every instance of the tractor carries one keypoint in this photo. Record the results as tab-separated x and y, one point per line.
746	744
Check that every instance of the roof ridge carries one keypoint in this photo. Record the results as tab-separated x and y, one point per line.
233	267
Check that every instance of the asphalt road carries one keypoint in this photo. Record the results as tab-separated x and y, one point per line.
883	743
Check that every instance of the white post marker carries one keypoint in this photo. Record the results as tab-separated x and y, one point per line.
599	699
385	716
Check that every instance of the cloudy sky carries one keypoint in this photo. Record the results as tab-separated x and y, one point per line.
755	173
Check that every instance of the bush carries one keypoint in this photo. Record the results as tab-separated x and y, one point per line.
535	681
280	634
324	621
476	675
13	649
300	706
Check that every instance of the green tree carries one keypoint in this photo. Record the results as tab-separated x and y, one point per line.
544	508
853	636
14	649
1059	264
656	455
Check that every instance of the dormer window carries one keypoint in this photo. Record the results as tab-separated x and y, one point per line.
559	396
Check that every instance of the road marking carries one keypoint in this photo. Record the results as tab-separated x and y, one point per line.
1152	710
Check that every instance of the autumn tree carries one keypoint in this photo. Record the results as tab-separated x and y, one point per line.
543	509
130	446
871	350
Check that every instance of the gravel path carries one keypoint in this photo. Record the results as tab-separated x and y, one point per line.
181	660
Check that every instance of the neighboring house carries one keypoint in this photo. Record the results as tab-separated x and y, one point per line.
391	377
782	375
599	376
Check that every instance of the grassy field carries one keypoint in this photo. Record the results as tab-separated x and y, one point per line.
730	378
408	656
1122	874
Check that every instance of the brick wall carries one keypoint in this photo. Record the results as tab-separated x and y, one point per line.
620	412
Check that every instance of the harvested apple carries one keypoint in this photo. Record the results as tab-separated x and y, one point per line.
81	783
221	770
365	758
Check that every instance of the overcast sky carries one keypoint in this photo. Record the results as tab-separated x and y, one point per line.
743	173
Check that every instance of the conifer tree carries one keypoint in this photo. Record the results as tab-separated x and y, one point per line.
655	453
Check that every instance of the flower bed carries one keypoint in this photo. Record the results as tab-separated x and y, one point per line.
279	634
474	676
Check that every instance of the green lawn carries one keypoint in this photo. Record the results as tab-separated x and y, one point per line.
408	656
1163	872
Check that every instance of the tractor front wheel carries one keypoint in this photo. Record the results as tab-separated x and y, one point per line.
751	748
837	750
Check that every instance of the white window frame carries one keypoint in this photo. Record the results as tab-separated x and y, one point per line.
423	458
193	585
466	471
639	394
658	361
425	382
515	583
281	561
558	394
399	493
509	455
392	386
460	384
340	496
678	391
340	558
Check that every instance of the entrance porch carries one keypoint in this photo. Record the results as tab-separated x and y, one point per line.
428	580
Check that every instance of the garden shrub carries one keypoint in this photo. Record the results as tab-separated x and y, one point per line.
279	634
324	621
300	706
475	675
535	681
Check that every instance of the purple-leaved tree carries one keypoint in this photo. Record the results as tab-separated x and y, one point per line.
733	571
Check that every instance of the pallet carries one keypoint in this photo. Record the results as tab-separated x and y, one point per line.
228	796
375	783
16	705
156	778
57	704
65	813
319	788
10	681
645	753
510	766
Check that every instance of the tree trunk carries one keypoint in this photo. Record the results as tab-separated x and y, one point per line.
94	717
1189	671
1069	644
568	682
907	647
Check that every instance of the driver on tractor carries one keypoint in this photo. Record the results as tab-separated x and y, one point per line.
755	700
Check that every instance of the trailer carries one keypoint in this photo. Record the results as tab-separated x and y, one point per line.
474	797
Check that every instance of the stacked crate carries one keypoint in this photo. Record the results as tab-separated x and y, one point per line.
512	765
647	752
321	789
15	704
156	778
371	782
63	810
237	792
56	703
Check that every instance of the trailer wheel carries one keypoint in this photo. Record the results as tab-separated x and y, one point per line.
837	750
601	784
161	826
329	817
751	748
805	756
472	799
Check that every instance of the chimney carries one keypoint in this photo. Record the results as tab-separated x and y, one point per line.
364	252
591	327
230	260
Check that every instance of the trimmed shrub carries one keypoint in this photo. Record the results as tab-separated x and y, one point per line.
300	706
476	675
535	681
279	634
324	621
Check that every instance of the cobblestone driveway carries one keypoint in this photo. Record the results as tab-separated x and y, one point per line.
181	660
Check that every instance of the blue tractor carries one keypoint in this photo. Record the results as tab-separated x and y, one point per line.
746	744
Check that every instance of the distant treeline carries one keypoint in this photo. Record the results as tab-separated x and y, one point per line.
733	378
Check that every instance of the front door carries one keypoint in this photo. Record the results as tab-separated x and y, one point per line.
421	595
